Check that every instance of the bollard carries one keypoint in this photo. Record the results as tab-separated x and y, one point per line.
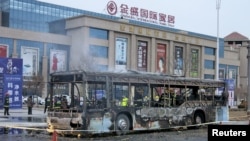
54	136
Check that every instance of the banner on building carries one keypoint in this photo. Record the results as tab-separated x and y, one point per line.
120	54
142	56
231	86
30	61
3	50
161	58
11	79
57	60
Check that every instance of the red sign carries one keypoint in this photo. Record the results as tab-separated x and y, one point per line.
140	14
3	51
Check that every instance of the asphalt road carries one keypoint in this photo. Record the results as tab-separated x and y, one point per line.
187	135
28	134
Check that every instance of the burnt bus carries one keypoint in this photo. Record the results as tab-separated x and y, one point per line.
110	102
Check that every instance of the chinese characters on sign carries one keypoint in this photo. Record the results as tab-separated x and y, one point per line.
140	14
121	54
142	56
11	79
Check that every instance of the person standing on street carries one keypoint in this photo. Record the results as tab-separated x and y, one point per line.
30	105
47	104
6	104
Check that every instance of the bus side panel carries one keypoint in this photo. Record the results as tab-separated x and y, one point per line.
100	122
63	121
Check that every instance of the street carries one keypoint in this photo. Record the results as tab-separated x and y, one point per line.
24	127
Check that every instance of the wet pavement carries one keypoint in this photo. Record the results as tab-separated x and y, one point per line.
20	126
18	122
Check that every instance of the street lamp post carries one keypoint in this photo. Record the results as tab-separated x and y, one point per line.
248	72
218	2
222	112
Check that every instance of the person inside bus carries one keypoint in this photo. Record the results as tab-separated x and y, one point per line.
76	101
64	104
124	101
57	102
138	97
102	102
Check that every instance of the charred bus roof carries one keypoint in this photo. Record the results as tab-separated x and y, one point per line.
133	77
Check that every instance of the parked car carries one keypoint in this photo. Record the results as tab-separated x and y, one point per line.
36	99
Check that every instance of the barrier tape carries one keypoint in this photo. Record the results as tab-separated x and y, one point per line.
239	117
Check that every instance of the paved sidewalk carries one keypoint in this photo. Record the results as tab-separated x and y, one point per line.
20	117
37	111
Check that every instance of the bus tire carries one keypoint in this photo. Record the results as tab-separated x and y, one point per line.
199	119
122	124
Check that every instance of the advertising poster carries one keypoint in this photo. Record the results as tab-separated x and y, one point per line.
13	85
120	54
3	50
57	60
194	63
232	74
178	64
231	87
30	61
142	56
161	58
221	73
11	79
1	90
230	84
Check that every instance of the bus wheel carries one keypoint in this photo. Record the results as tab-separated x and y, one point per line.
122	125
198	119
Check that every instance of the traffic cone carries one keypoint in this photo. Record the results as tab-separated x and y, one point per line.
54	136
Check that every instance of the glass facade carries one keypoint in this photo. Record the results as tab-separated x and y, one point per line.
210	51
209	64
33	15
208	76
98	51
98	33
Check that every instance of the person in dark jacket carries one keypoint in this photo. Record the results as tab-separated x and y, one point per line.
47	104
64	103
6	104
30	105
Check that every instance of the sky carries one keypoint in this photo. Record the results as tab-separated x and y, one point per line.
199	16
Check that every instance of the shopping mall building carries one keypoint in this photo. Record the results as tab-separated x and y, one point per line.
53	38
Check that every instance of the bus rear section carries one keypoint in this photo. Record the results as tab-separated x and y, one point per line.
105	102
